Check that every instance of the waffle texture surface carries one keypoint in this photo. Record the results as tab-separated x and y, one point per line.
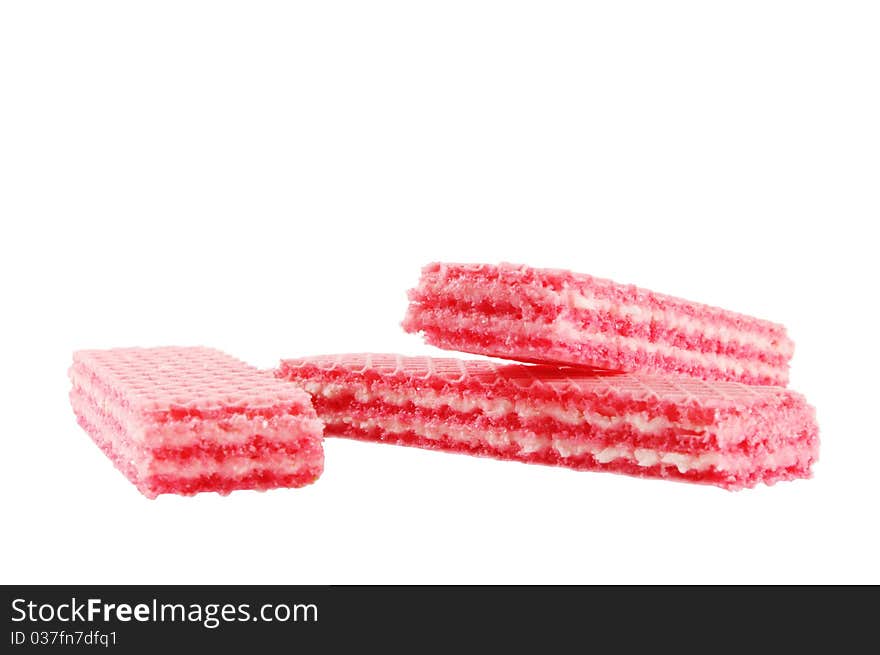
190	419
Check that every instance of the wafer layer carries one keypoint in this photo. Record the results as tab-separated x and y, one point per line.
185	420
559	317
722	433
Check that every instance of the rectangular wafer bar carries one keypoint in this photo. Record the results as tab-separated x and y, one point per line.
186	420
722	433
558	317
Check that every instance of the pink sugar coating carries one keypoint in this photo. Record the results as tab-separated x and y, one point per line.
186	420
750	426
515	311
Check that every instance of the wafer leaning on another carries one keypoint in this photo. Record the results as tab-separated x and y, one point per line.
559	317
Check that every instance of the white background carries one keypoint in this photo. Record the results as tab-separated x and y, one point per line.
268	178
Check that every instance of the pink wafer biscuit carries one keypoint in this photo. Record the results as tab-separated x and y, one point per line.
185	420
558	317
723	433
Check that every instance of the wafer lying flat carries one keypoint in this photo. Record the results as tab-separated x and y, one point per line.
185	420
558	317
722	433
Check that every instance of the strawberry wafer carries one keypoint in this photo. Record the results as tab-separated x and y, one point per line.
722	433
185	420
559	317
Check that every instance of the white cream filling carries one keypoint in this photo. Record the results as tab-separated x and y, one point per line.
529	442
574	332
232	429
498	407
142	460
676	320
563	328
